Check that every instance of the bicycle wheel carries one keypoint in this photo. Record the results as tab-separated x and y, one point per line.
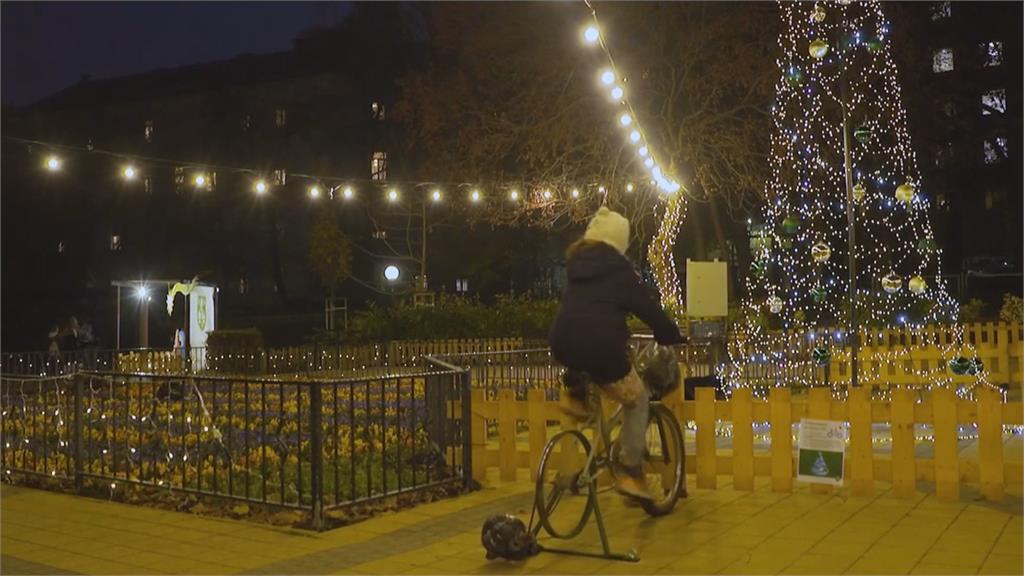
664	461
562	497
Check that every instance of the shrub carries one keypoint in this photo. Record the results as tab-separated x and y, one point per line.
972	311
1013	309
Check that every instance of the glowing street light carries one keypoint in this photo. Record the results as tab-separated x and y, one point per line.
392	195
128	172
347	193
141	292
314	192
53	163
261	187
200	180
391	273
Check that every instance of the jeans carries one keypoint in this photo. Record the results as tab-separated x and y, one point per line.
631	392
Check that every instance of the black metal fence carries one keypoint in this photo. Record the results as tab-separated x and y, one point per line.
303	444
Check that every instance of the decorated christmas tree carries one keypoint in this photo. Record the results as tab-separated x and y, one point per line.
844	181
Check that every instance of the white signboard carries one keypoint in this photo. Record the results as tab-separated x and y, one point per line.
707	289
200	322
821	447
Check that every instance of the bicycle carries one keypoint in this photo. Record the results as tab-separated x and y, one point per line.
570	467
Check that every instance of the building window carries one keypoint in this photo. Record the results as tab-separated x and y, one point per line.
179	175
462	285
147	184
280	117
995	150
380	234
148	131
246	122
115	242
379	166
60	247
243	286
991	53
280	177
942	60
941	10
377	111
993	102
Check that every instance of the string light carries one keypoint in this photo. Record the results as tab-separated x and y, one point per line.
591	35
629	187
392	195
53	163
625	120
314	192
575	193
617	93
436	195
547	194
607	77
260	187
634	136
513	195
475	196
348	193
128	172
200	180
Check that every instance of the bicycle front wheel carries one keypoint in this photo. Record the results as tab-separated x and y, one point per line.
664	461
564	486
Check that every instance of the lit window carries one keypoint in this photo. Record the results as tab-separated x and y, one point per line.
60	247
941	10
179	176
377	111
148	131
380	234
995	150
280	117
246	122
462	285
243	286
147	184
379	166
991	53
280	177
942	60
993	102
115	242
211	181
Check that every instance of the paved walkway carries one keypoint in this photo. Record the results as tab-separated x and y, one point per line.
713	531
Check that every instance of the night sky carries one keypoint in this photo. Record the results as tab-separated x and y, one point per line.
47	46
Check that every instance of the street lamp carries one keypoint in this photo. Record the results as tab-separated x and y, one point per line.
391	273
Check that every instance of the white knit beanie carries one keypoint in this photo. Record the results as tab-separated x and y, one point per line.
609	227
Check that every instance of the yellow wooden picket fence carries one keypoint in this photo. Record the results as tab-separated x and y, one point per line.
900	467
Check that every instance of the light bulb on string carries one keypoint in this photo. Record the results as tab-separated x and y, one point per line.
617	93
547	194
643	152
625	119
314	192
347	193
634	136
200	180
591	35
607	77
575	193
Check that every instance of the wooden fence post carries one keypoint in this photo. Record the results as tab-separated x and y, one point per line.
479	436
706	450
861	468
947	469
904	476
536	410
990	442
742	440
782	439
508	459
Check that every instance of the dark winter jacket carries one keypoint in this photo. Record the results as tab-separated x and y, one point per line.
590	332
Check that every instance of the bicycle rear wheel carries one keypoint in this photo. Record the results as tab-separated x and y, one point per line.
564	488
664	461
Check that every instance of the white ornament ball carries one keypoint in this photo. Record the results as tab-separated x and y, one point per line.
818	49
892	283
775	304
917	285
820	252
905	192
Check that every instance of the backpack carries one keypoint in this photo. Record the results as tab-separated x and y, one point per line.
658	367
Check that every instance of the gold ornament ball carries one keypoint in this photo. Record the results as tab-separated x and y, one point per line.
820	252
818	49
905	192
892	283
917	285
775	304
818	14
859	192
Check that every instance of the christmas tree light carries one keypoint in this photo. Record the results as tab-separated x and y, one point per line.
830	194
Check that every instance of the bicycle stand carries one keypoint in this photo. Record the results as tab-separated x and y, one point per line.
607	553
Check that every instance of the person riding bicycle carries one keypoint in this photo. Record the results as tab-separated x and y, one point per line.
590	335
